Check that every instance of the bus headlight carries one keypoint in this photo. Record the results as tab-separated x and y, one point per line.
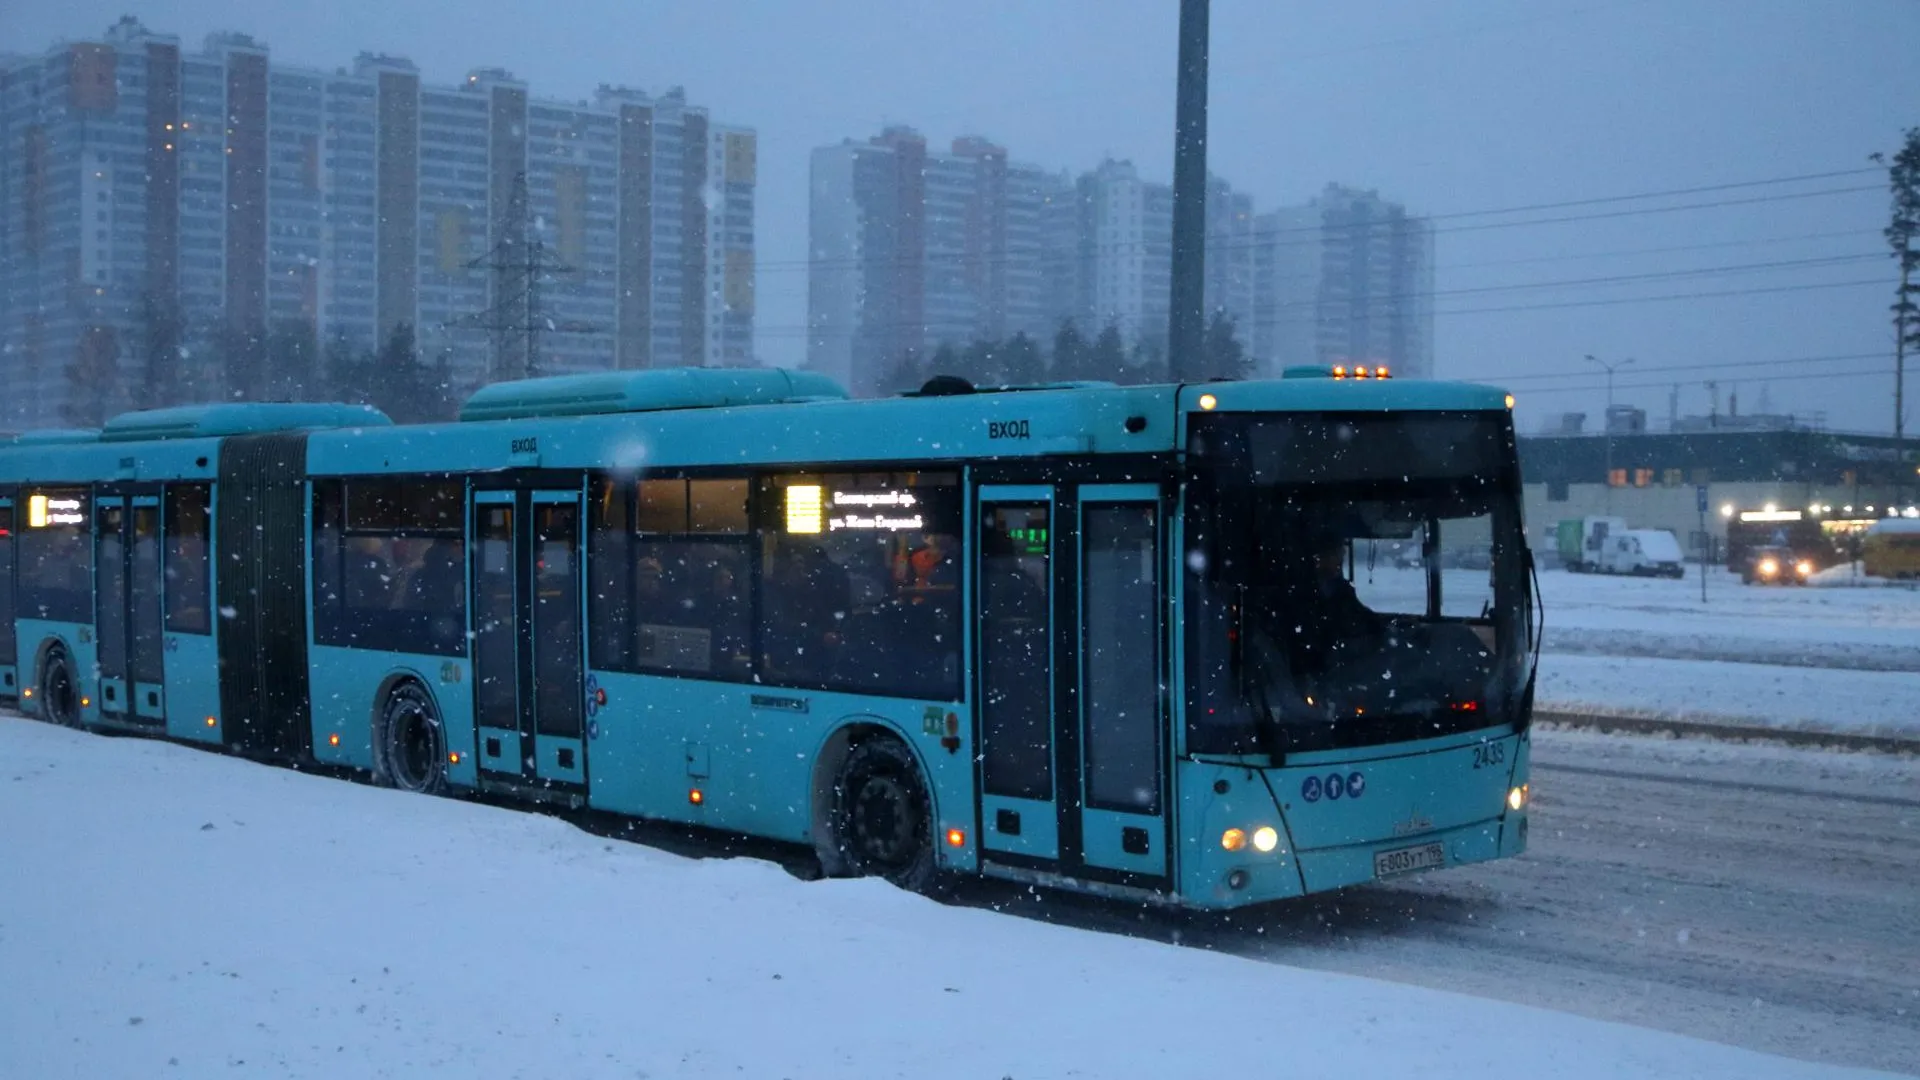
1804	568
1265	839
1517	797
1768	568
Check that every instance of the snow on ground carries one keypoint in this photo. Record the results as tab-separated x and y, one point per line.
1835	659
1762	695
170	912
1598	613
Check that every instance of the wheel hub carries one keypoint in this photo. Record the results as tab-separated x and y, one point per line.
881	821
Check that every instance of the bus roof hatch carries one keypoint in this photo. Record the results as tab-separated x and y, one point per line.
652	390
239	418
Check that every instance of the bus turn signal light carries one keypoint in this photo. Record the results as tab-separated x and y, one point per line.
1233	839
333	740
1517	798
696	796
211	721
453	758
956	838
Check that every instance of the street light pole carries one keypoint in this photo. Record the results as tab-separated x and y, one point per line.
1186	315
1606	420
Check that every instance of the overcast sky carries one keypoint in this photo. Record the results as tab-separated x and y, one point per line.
1449	106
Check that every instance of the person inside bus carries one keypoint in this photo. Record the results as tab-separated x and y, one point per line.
1321	617
807	597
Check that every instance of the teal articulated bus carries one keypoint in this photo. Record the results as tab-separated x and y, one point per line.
1209	645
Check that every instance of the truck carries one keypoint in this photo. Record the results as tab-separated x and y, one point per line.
1605	545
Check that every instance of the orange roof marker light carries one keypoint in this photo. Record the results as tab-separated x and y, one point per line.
1339	371
1380	372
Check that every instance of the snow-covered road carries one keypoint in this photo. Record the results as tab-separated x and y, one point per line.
1764	897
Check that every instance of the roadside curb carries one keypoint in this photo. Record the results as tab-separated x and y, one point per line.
1730	732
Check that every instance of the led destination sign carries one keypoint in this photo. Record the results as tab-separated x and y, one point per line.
44	511
812	509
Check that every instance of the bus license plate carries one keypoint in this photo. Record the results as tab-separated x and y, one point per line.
1402	860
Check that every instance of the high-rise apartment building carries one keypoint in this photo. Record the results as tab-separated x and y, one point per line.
912	249
160	208
1345	279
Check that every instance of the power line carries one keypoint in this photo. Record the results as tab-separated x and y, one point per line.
1318	230
1861	373
1670	193
1797	361
1673	249
794	331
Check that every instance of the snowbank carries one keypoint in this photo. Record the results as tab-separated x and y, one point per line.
1760	695
173	913
1869	629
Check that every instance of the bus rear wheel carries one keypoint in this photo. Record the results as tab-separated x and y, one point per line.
59	690
410	745
883	817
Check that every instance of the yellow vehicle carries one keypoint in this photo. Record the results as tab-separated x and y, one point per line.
1892	548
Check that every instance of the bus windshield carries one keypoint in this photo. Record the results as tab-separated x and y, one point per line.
1354	580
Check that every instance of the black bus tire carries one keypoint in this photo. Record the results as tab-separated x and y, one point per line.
882	816
410	742
58	688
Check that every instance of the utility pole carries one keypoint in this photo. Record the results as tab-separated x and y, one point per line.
1607	420
1186	311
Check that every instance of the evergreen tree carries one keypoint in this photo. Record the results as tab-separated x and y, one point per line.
980	364
1224	356
1020	361
1070	353
1107	360
345	374
908	375
1148	364
292	361
441	396
399	381
946	361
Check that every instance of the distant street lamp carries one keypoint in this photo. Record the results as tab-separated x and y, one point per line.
1607	420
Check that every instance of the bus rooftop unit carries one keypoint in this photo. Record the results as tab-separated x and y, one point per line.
1209	645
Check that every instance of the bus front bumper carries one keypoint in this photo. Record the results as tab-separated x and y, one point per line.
1399	814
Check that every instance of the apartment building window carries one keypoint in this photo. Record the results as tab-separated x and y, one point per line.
1617	478
1557	491
1642	477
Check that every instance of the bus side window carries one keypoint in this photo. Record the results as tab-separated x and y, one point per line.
390	565
859	579
186	527
691	609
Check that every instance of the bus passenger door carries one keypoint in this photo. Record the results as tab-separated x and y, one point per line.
1013	580
1121	639
110	605
9	675
529	705
558	681
127	608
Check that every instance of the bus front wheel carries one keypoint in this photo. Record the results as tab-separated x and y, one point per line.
59	690
882	816
410	747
